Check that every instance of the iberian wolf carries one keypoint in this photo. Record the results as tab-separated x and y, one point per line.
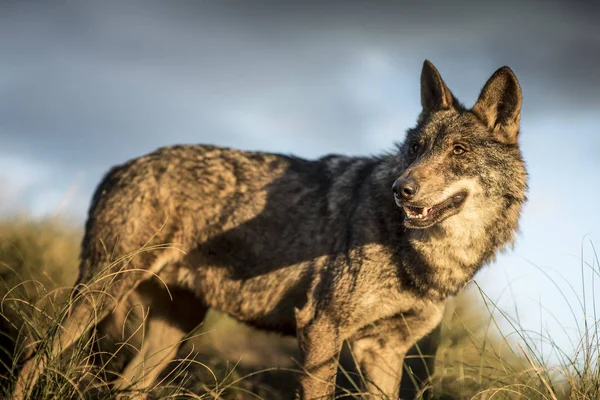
362	250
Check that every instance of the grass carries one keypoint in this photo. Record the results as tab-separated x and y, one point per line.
224	359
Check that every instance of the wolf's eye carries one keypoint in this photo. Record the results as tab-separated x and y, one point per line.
415	147
459	149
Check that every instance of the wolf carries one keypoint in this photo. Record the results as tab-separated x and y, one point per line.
357	250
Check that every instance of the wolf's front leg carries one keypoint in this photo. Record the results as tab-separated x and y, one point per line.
380	360
320	344
420	365
381	347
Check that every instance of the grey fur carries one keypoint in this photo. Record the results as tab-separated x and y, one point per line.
320	249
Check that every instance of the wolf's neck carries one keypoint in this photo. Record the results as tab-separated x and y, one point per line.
445	261
446	257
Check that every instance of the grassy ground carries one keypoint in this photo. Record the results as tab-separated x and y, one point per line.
38	263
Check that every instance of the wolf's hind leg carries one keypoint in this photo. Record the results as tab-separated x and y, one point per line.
158	348
94	298
168	320
82	317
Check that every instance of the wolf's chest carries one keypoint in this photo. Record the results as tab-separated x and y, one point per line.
375	305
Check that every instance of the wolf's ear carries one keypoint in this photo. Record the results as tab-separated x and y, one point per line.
499	105
435	95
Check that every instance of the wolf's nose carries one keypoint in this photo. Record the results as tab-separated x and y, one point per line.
405	188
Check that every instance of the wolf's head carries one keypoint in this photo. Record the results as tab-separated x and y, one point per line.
463	166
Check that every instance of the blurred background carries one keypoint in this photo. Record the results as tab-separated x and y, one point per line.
85	85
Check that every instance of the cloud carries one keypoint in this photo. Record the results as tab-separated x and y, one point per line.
86	84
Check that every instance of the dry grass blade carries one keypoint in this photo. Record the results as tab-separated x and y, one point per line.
537	371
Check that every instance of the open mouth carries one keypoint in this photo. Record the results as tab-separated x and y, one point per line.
424	217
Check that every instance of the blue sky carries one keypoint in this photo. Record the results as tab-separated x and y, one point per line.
85	85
